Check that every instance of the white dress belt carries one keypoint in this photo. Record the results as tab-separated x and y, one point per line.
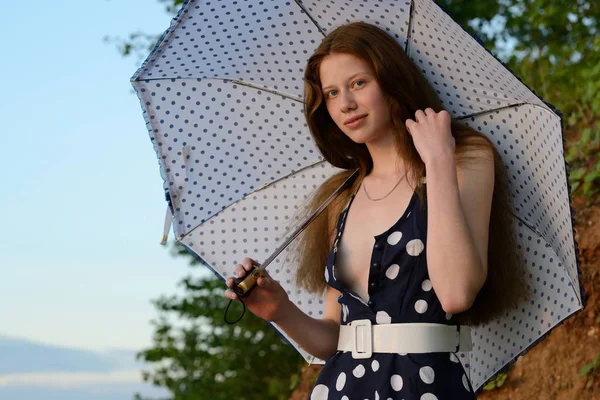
363	338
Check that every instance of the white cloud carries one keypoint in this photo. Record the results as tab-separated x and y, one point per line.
71	379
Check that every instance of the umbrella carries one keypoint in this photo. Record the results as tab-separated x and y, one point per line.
222	98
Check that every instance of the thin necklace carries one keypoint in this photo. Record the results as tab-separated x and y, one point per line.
381	198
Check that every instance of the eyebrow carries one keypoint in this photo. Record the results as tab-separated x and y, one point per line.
352	77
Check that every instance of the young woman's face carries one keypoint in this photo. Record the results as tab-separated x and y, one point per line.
354	98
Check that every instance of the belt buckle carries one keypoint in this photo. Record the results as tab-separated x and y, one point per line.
366	350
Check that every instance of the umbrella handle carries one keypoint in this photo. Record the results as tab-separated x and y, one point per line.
243	287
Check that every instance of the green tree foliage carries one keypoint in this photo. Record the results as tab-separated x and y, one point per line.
196	355
558	53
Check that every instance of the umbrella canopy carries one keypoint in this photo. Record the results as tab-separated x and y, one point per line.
222	98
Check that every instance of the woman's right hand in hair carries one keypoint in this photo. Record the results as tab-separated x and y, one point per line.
268	300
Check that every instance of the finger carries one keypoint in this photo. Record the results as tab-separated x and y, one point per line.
429	111
267	282
409	123
239	271
419	115
248	263
264	282
230	294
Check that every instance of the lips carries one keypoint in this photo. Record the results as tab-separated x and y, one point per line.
355	118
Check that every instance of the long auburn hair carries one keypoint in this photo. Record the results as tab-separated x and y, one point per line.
406	91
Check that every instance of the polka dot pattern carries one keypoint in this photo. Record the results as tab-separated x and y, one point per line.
415	247
359	371
320	392
225	118
421	306
390	15
392	271
537	173
466	79
397	382
209	161
527	138
427	374
426	285
394	238
375	365
255	228
552	298
383	318
206	43
341	381
382	269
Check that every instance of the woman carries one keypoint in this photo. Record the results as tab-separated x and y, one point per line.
395	248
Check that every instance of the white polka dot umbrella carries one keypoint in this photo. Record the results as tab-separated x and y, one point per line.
222	99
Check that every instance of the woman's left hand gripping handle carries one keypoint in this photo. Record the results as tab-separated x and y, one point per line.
268	298
246	280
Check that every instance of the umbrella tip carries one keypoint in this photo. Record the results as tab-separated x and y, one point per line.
164	240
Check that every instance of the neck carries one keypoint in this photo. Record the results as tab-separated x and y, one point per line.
387	163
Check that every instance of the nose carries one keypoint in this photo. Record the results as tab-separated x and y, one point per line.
347	101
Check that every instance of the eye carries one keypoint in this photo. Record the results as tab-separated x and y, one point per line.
359	83
331	93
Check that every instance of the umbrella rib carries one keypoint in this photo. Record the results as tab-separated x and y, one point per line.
411	12
310	17
264	186
272	91
237	81
534	229
529	225
477	114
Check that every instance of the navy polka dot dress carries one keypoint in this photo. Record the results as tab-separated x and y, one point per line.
399	292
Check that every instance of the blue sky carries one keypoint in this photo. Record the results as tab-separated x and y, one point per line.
82	199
